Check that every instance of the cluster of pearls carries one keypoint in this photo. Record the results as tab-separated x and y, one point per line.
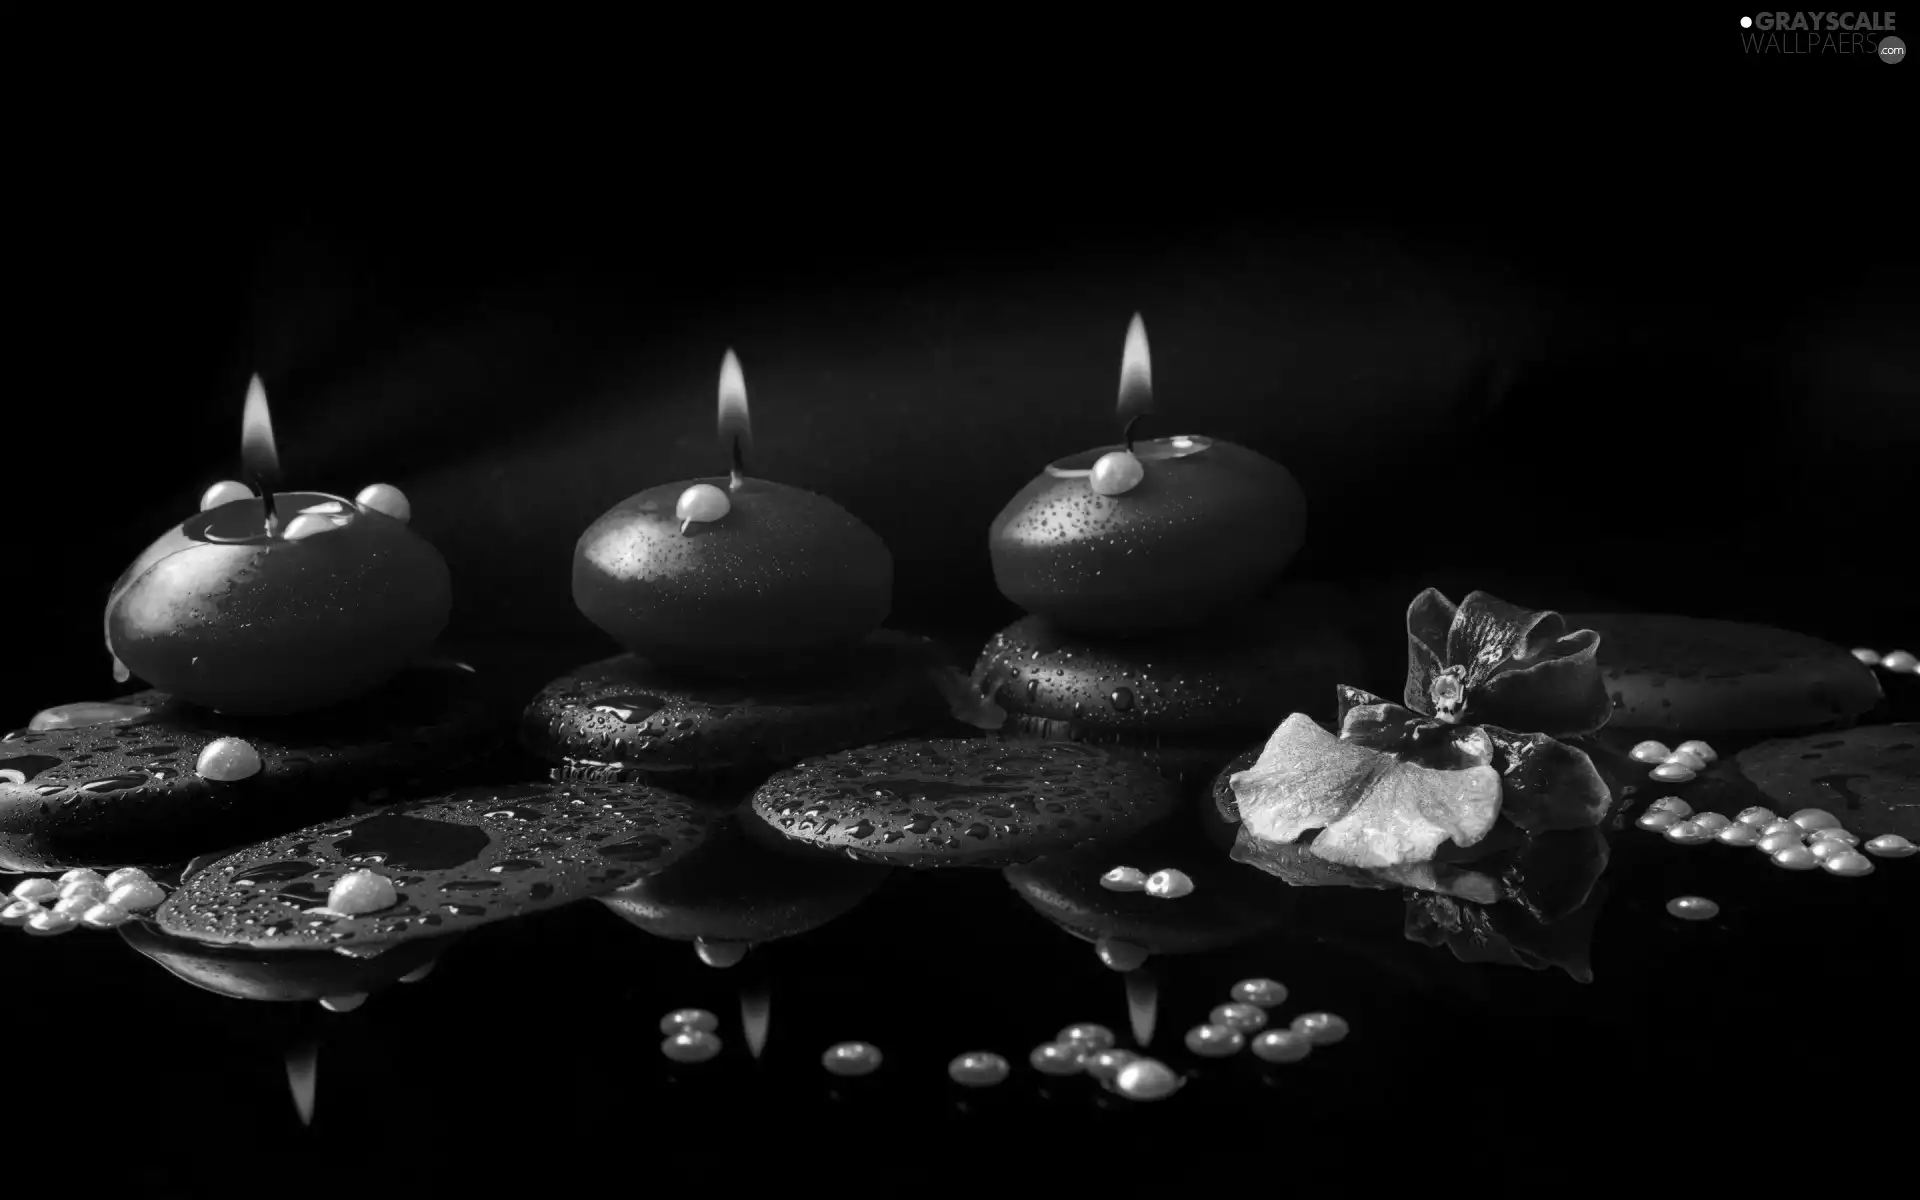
1679	765
1812	837
81	897
1897	661
1161	885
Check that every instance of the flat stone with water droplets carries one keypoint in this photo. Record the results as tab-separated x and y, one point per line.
963	801
127	790
476	856
1868	777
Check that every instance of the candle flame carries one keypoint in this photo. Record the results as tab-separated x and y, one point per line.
257	452
1136	373
732	418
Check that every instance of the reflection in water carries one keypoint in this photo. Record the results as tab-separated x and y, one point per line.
756	1010
244	973
303	1074
1143	1005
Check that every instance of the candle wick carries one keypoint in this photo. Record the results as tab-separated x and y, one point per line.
686	525
1132	423
739	465
265	490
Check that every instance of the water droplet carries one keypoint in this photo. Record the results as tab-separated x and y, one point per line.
1121	699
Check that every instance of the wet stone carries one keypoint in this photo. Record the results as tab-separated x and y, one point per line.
1867	779
963	802
438	850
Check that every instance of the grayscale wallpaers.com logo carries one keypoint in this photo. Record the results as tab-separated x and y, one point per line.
1822	33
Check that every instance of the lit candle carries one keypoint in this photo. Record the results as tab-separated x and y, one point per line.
1147	535
278	602
730	574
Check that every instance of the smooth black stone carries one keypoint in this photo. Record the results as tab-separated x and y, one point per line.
243	973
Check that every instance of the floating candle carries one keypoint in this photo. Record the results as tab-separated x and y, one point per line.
278	602
1147	535
732	575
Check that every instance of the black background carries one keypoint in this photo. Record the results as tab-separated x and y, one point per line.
1635	362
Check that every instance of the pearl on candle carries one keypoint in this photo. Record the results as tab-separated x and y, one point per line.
385	498
1116	473
703	503
227	491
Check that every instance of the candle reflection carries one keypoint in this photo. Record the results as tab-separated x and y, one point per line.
303	1072
756	1008
1143	1005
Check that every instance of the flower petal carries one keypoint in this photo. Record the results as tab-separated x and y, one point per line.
1518	667
1405	813
1296	864
1562	693
1413	738
1548	784
1428	619
1304	779
1554	876
1352	698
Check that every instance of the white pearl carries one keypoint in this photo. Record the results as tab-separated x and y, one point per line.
1247	1018
105	916
1267	993
1649	752
1681	758
47	923
124	875
1215	1041
344	1004
1124	879
690	1046
1870	657
35	890
1693	908
1147	1079
138	896
1169	885
702	502
1712	822
1699	750
1779	843
306	525
1890	845
1105	1066
1835	834
1688	833
385	498
359	892
1781	826
1058	1058
1811	819
76	904
1116	473
1849	863
1796	858
1672	773
224	492
18	912
80	875
1900	662
978	1069
1087	1036
84	887
1738	835
1657	821
1322	1027
1282	1046
850	1059
689	1018
1755	816
1825	848
227	760
1672	804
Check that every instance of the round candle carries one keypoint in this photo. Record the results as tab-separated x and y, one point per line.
731	574
252	606
1148	535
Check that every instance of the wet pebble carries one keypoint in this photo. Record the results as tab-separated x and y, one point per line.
1811	819
1058	1058
227	759
1739	835
1848	862
849	1059
1672	773
1671	804
1688	833
1147	1079
1247	1018
1215	1041
1106	1065
1699	750
692	1046
1693	908
46	923
1087	1036
35	890
1890	845
344	1004
1649	752
1323	1028
1795	858
1267	993
1756	816
1121	955
1124	879
979	1068
1282	1046
682	1019
1657	822
1169	885
1900	662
